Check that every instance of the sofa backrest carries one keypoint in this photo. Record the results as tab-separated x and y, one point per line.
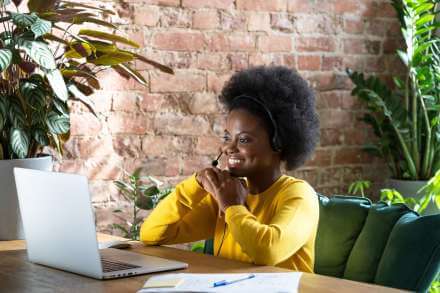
376	243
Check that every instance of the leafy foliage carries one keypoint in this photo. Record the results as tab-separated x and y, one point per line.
43	63
142	193
359	186
407	120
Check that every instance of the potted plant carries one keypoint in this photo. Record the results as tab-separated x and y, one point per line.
43	63
142	194
406	119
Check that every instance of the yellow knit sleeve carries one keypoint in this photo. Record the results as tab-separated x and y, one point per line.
187	214
292	225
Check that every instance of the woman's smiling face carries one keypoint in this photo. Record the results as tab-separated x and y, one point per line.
246	144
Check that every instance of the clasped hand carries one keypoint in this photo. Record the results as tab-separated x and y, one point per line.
225	189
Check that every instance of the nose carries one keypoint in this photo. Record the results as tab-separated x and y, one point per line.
230	147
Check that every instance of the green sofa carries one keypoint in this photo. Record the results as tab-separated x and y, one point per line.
375	243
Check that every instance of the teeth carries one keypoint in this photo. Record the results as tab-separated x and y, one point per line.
234	161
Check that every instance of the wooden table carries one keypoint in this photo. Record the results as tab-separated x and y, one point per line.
19	275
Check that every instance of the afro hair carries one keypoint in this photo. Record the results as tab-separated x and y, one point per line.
290	101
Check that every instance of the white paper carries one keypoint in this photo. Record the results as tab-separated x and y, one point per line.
262	283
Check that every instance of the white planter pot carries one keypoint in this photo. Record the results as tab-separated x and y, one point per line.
409	188
10	220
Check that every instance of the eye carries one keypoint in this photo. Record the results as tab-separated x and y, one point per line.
243	140
226	138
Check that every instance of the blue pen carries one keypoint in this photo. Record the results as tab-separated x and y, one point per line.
226	282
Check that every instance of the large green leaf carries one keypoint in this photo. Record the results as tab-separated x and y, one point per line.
51	37
41	5
80	50
82	19
132	72
16	115
3	111
19	142
40	136
108	37
5	58
83	5
41	27
57	83
161	67
114	58
80	96
34	94
23	19
39	52
58	123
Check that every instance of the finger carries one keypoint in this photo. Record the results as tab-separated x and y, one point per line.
219	174
212	177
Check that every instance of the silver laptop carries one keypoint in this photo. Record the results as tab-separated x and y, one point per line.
60	232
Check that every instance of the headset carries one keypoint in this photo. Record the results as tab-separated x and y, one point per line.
275	142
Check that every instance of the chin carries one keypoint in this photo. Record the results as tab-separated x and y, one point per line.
238	173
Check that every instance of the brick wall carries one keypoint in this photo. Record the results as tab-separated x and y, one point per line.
171	126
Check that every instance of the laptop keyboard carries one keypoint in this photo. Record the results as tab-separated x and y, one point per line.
111	266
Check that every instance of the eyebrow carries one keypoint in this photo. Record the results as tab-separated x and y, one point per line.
242	132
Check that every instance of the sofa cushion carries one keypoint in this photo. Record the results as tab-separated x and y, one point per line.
368	249
341	219
411	258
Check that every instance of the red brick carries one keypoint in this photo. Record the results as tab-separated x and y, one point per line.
84	124
232	20
147	15
262	5
239	61
350	156
375	64
241	42
275	43
218	42
312	44
127	146
329	81
354	26
335	118
96	146
391	45
331	137
205	19
219	4
110	79
309	62
175	3
157	166
354	136
258	21
134	34
379	9
361	46
179	124
179	41
331	63
320	158
125	101
328	100
70	166
282	22
106	168
331	176
217	81
166	144
346	6
212	61
313	24
301	6
203	103
191	164
103	191
208	145
152	102
120	122
179	82
176	18
377	27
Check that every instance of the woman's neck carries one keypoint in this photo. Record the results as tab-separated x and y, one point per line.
258	183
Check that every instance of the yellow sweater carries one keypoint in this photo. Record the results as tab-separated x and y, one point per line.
276	227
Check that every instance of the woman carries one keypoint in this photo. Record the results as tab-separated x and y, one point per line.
254	212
